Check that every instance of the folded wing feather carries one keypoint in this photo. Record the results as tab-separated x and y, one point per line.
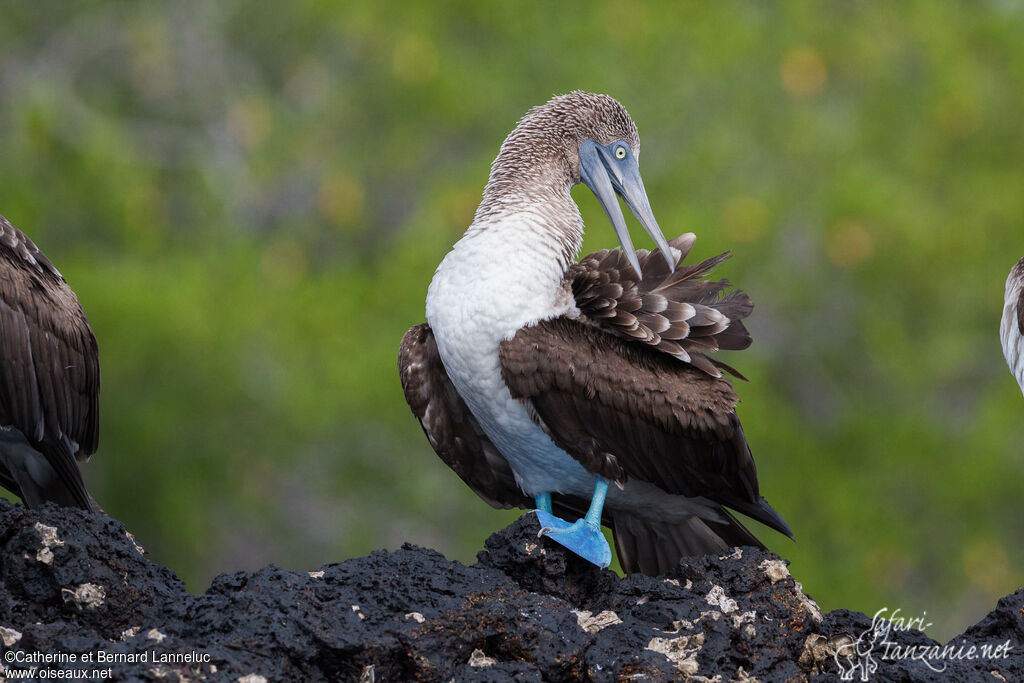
677	313
49	370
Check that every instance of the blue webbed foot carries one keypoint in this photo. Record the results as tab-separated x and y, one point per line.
582	537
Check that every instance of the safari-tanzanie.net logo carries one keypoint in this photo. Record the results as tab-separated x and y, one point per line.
859	659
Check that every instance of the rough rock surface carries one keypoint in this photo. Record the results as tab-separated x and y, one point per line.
75	583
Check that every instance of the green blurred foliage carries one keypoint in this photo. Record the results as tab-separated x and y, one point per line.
250	200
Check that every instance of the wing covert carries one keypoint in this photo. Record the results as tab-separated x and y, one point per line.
678	313
625	410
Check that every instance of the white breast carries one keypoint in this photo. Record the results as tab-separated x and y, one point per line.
499	278
1009	331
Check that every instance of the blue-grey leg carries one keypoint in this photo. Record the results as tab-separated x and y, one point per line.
584	536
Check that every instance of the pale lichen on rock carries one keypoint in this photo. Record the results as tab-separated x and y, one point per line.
85	596
681	651
48	537
593	623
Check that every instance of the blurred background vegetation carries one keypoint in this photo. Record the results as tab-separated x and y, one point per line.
250	200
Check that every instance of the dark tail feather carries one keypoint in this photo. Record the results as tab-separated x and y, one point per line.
764	513
650	547
38	478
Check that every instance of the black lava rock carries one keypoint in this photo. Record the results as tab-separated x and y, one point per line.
77	594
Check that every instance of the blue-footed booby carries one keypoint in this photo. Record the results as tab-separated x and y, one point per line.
49	378
1011	328
540	380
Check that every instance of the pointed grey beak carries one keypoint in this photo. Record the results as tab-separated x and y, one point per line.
605	175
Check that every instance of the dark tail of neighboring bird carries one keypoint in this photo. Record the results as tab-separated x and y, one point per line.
30	475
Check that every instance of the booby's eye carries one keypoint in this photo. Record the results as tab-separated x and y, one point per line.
620	152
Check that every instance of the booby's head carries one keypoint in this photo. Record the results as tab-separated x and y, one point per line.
574	138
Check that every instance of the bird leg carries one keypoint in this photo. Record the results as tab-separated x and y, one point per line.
584	536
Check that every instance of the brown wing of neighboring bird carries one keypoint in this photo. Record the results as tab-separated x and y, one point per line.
49	375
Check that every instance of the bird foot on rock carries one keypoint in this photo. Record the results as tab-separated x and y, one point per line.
584	539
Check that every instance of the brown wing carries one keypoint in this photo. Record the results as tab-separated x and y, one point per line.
450	427
454	433
49	361
626	410
677	313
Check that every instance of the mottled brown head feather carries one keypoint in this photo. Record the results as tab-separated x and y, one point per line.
544	149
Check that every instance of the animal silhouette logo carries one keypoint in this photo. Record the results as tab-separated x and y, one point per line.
856	656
